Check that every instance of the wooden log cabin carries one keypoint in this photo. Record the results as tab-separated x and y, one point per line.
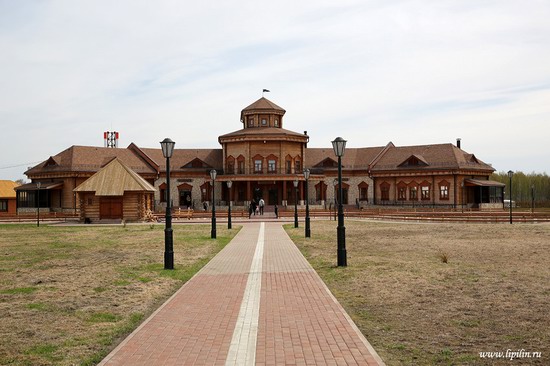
115	192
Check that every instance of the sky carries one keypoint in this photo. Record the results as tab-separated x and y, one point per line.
409	72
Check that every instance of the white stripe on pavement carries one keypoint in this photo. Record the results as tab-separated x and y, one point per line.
242	350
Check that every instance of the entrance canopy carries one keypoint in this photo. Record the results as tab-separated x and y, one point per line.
482	183
43	186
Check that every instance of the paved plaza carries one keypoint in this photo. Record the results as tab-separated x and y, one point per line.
258	302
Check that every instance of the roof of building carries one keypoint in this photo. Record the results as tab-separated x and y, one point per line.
211	157
113	180
354	158
264	132
90	159
483	183
7	189
444	156
44	186
264	104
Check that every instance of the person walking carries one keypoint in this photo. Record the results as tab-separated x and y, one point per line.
250	210
276	211
254	207
262	204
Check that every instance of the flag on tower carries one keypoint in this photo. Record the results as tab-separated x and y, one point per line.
265	91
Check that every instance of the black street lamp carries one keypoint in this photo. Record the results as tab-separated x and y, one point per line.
167	146
335	184
510	174
308	230
229	184
339	146
532	198
213	174
295	202
38	185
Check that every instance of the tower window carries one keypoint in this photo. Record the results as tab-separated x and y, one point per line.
276	123
257	166
271	166
264	122
251	122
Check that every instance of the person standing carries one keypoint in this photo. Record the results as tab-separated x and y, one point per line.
276	211
262	204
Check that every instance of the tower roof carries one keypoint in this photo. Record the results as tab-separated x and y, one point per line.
262	105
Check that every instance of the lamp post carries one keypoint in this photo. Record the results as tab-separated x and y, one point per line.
167	146
532	198
295	202
213	175
335	184
339	146
308	230
38	185
510	174
229	184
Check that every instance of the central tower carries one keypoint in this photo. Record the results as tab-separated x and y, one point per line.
263	158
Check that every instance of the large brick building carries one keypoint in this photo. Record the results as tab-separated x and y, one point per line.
263	159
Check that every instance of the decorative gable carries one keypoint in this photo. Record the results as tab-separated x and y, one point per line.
50	162
326	163
196	164
414	160
471	158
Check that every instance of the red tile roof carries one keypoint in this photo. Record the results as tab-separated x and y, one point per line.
263	104
437	156
90	159
354	158
266	132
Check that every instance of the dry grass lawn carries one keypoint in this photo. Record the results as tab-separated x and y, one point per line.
492	294
68	294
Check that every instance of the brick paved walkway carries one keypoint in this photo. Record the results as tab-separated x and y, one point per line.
258	302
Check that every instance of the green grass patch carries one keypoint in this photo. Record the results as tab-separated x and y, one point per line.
38	306
103	318
46	352
121	283
19	290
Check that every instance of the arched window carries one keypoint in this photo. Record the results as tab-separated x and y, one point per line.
363	191
385	191
444	190
297	165
162	191
401	191
425	191
258	162
240	164
230	165
272	164
413	191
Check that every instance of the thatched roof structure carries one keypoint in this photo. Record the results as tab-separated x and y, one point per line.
113	180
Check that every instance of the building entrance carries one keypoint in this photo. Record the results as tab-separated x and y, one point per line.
185	198
273	197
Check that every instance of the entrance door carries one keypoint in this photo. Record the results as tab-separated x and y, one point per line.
185	198
110	208
273	198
